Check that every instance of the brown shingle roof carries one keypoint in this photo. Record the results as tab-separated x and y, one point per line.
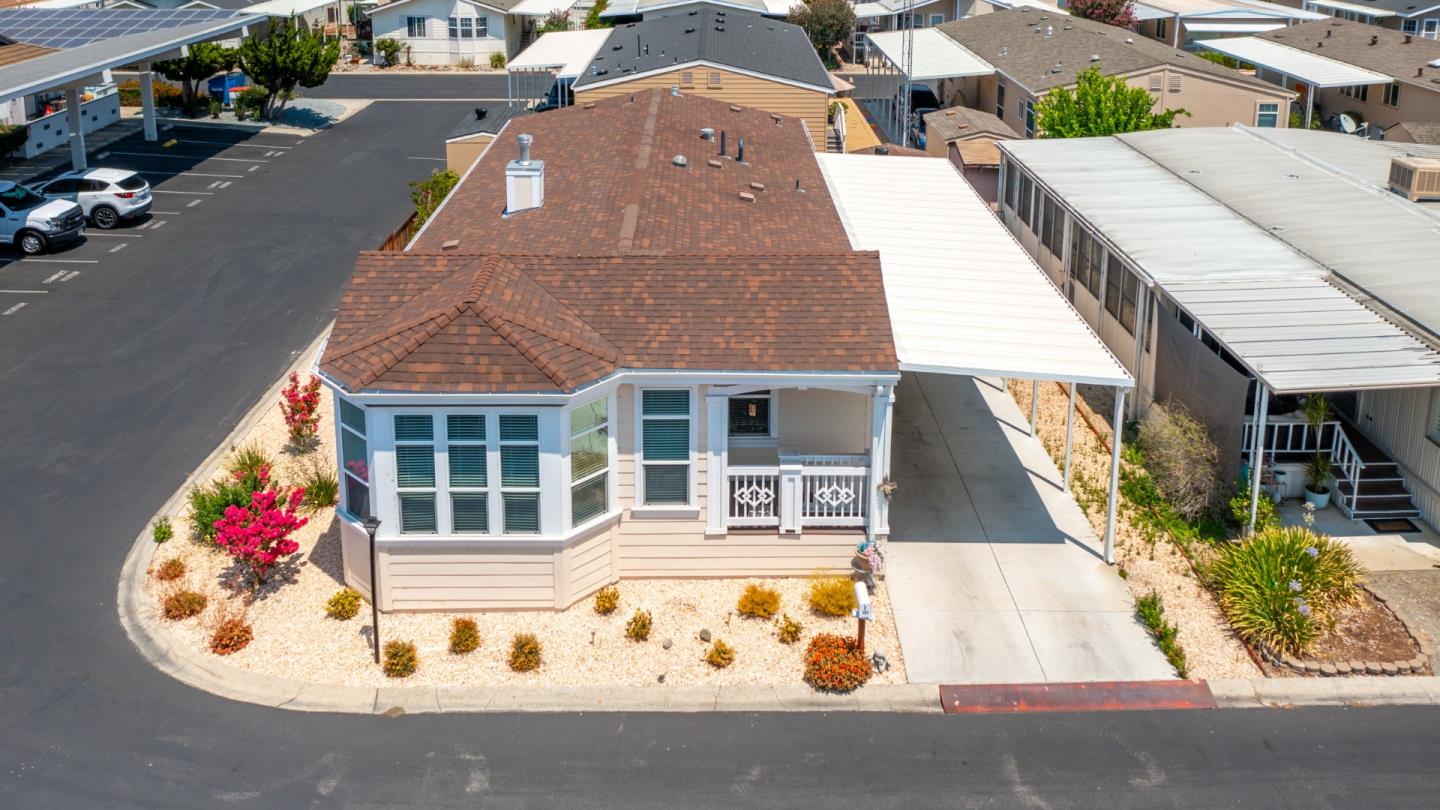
1350	42
978	152
959	123
487	324
611	187
13	53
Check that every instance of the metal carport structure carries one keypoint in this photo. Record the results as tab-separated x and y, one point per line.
964	297
918	55
1314	70
555	57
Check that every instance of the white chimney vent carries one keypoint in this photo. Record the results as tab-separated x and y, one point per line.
524	180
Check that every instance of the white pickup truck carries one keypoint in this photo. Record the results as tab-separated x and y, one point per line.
32	223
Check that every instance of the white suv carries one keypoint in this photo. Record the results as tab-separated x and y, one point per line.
32	222
107	196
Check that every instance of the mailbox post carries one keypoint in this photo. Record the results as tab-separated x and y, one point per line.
862	612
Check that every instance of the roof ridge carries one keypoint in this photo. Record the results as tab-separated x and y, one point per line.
374	333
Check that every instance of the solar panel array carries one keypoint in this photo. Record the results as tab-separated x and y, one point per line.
77	27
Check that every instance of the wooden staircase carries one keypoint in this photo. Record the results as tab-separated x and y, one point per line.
833	144
1381	491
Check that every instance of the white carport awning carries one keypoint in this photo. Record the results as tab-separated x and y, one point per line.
540	8
964	297
1304	335
286	8
1358	8
935	56
872	10
1231	27
1314	70
567	53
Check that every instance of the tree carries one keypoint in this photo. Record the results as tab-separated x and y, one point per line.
555	21
827	23
289	55
258	533
1100	105
1110	12
204	60
592	19
428	194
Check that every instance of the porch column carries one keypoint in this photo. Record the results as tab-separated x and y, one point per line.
1257	443
1069	433
717	455
1118	429
880	426
147	101
77	129
1034	406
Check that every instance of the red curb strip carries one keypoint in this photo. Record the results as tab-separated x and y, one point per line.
1105	696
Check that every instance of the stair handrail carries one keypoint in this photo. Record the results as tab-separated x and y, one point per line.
1351	465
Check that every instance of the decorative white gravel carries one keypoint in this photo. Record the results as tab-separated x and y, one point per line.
1211	648
294	638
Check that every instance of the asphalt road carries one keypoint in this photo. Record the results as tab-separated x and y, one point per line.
120	381
411	85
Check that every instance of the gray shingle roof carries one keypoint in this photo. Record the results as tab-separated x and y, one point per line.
496	116
957	123
1010	41
1420	131
729	38
1349	42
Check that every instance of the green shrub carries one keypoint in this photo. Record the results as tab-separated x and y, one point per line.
832	596
166	94
1283	585
322	488
464	636
790	630
12	137
344	605
429	193
251	464
389	50
1152	613
184	604
720	655
208	503
835	664
638	628
759	602
607	600
249	103
170	570
162	531
1265	517
401	659
497	60
525	653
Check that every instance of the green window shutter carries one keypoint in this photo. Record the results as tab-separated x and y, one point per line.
415	466
414	428
520	466
589	453
666	439
518	428
467	465
665	402
588	500
588	416
465	428
522	513
470	513
417	513
667	484
352	416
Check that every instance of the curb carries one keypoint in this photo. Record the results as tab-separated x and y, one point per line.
1352	691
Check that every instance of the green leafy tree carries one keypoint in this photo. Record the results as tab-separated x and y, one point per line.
429	193
592	19
555	21
1110	12
290	55
827	23
1099	105
204	60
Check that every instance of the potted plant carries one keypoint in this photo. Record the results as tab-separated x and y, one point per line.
1317	480
216	107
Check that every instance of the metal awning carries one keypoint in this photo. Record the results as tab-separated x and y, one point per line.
1355	7
540	8
1231	27
1313	69
934	56
964	297
566	53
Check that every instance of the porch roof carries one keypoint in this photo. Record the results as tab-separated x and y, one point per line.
1311	68
566	52
934	56
964	297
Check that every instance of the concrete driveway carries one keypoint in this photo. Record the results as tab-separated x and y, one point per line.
994	573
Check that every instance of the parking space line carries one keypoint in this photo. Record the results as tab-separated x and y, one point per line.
412	157
223	143
170	213
14	309
30	260
118	247
196	158
25	292
116	235
157	223
226	183
69	275
252	168
186	174
163	191
215	184
57	274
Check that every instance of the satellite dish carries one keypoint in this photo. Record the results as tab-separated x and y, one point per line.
1348	124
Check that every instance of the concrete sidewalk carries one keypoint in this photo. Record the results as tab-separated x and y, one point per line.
994	573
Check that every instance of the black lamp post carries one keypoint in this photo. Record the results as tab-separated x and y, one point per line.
372	524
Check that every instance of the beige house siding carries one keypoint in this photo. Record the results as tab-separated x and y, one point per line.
820	421
461	154
1395	420
1416	104
736	88
447	575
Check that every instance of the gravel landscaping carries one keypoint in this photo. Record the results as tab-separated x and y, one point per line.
293	638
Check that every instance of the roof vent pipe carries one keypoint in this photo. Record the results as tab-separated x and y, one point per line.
480	113
706	133
674	89
722	143
740	150
524	180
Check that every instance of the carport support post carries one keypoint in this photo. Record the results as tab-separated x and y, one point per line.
1034	406
77	129
1069	433
1309	103
147	101
1115	436
1257	443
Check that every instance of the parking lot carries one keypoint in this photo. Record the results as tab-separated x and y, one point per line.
194	172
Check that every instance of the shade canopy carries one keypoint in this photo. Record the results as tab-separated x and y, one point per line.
1314	70
963	296
567	53
1232	27
934	56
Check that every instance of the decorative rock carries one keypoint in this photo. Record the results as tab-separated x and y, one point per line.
1373	668
1342	667
1418	663
1389	668
1293	663
1312	665
666	645
1328	670
1357	667
704	635
1403	666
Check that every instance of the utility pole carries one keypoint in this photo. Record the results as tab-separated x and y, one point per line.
907	65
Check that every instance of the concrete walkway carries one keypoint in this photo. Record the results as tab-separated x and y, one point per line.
994	573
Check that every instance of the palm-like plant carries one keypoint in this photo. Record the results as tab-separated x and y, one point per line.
1318	473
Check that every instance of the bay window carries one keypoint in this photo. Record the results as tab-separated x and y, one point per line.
354	460
468	463
589	461
520	473
665	446
415	472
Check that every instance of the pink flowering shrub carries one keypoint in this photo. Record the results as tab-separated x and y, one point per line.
1111	12
259	535
300	405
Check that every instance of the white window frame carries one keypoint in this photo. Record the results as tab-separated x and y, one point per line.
1028	117
1260	110
437	472
607	470
451	490
1430	29
452	28
368	482
1392	95
772	435
936	19
1000	97
482	27
413	23
640	462
539	490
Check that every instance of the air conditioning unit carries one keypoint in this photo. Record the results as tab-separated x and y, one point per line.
1415	178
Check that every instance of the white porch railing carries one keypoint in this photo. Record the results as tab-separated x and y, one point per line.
800	492
1299	437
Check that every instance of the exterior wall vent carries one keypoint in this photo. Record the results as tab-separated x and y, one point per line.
1415	178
